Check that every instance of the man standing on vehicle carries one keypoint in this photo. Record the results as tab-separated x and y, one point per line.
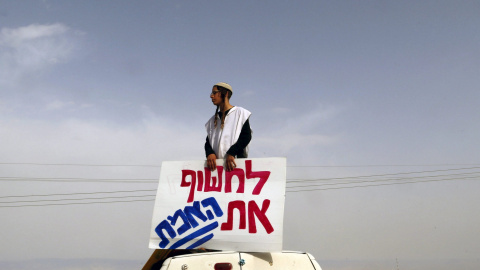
228	131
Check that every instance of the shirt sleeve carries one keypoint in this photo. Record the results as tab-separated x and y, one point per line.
242	142
208	148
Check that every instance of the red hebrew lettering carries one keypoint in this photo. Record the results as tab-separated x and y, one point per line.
212	186
253	211
240	205
228	180
200	180
184	183
263	175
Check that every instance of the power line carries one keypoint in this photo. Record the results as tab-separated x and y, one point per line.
387	184
384	180
151	190
418	179
80	199
376	175
78	164
382	165
155	180
291	166
288	191
78	193
76	178
55	204
66	179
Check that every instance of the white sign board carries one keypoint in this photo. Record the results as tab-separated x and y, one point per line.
240	210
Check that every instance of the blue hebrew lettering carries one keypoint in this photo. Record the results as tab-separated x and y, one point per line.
164	225
216	208
198	233
186	225
194	210
210	215
190	217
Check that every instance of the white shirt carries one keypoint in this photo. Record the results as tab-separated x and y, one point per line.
222	139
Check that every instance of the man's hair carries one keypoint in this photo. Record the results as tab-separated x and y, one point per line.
224	92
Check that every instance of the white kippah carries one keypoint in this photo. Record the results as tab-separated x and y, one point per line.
225	85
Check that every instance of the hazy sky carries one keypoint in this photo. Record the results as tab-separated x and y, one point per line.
346	86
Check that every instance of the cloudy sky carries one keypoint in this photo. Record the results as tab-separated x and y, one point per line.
360	92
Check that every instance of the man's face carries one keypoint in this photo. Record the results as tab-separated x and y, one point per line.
216	96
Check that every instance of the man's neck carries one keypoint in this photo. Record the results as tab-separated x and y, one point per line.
225	107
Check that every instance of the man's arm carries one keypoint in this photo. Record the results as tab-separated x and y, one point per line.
208	148
238	148
211	157
244	139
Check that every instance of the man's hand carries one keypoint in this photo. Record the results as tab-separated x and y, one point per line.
212	162
230	163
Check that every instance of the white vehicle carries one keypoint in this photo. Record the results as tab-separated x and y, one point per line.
232	260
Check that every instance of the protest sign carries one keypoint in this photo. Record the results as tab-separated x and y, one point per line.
240	210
